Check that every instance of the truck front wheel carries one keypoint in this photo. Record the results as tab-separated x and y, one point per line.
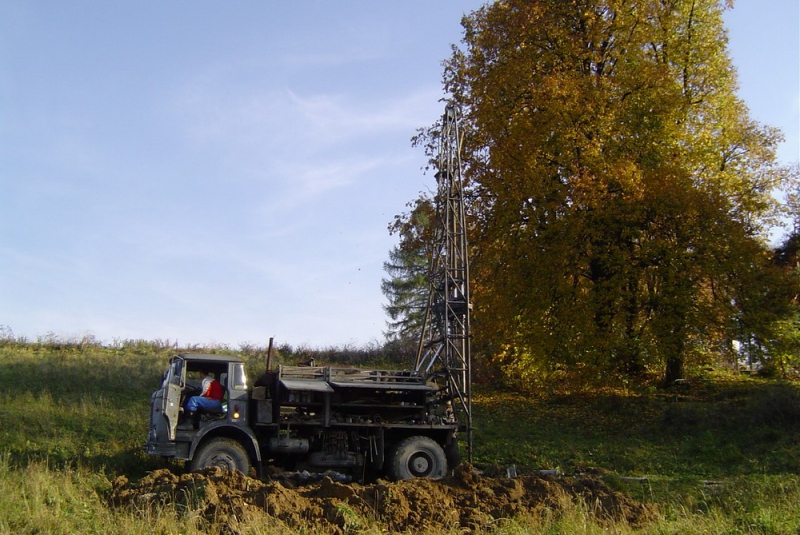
223	452
417	457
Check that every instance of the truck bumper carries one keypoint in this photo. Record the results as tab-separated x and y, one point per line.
162	449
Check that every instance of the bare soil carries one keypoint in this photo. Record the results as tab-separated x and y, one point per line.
464	500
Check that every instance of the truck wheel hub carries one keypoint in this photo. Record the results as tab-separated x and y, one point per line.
419	464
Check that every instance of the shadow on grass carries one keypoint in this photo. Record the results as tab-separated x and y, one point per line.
131	462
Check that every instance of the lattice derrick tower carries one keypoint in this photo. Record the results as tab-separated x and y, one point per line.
444	347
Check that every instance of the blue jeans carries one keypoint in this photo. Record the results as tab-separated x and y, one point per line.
207	404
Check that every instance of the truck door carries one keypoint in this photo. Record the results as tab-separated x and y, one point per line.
174	383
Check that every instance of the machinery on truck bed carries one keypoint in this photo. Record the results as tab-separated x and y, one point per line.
402	423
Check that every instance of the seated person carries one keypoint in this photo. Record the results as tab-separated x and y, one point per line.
210	398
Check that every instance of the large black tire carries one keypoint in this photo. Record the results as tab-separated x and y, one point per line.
223	452
417	457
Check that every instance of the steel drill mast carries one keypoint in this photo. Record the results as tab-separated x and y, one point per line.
444	347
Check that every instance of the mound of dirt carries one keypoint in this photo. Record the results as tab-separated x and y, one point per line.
465	499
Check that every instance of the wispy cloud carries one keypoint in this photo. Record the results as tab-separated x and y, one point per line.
339	119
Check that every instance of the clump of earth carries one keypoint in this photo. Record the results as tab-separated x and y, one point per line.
465	499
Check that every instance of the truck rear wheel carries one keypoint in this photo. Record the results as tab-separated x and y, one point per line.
417	457
223	452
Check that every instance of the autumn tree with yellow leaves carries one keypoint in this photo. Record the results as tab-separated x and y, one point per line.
619	192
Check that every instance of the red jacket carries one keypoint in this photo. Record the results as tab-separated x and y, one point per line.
214	391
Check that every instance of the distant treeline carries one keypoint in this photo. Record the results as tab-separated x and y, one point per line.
396	354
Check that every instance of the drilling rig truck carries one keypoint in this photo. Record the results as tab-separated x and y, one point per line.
401	423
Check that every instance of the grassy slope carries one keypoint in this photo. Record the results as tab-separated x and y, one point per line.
74	418
733	426
716	457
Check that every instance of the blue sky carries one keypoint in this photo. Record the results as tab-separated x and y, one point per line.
223	173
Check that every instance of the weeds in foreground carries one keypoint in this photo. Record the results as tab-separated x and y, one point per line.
40	499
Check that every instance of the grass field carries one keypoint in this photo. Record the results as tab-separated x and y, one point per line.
719	455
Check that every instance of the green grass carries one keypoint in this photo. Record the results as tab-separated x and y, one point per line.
716	456
740	426
75	405
74	417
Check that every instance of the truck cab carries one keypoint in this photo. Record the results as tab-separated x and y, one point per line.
174	434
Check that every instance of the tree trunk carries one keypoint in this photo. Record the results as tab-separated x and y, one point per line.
674	369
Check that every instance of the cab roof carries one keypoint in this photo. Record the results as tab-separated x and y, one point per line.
202	357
